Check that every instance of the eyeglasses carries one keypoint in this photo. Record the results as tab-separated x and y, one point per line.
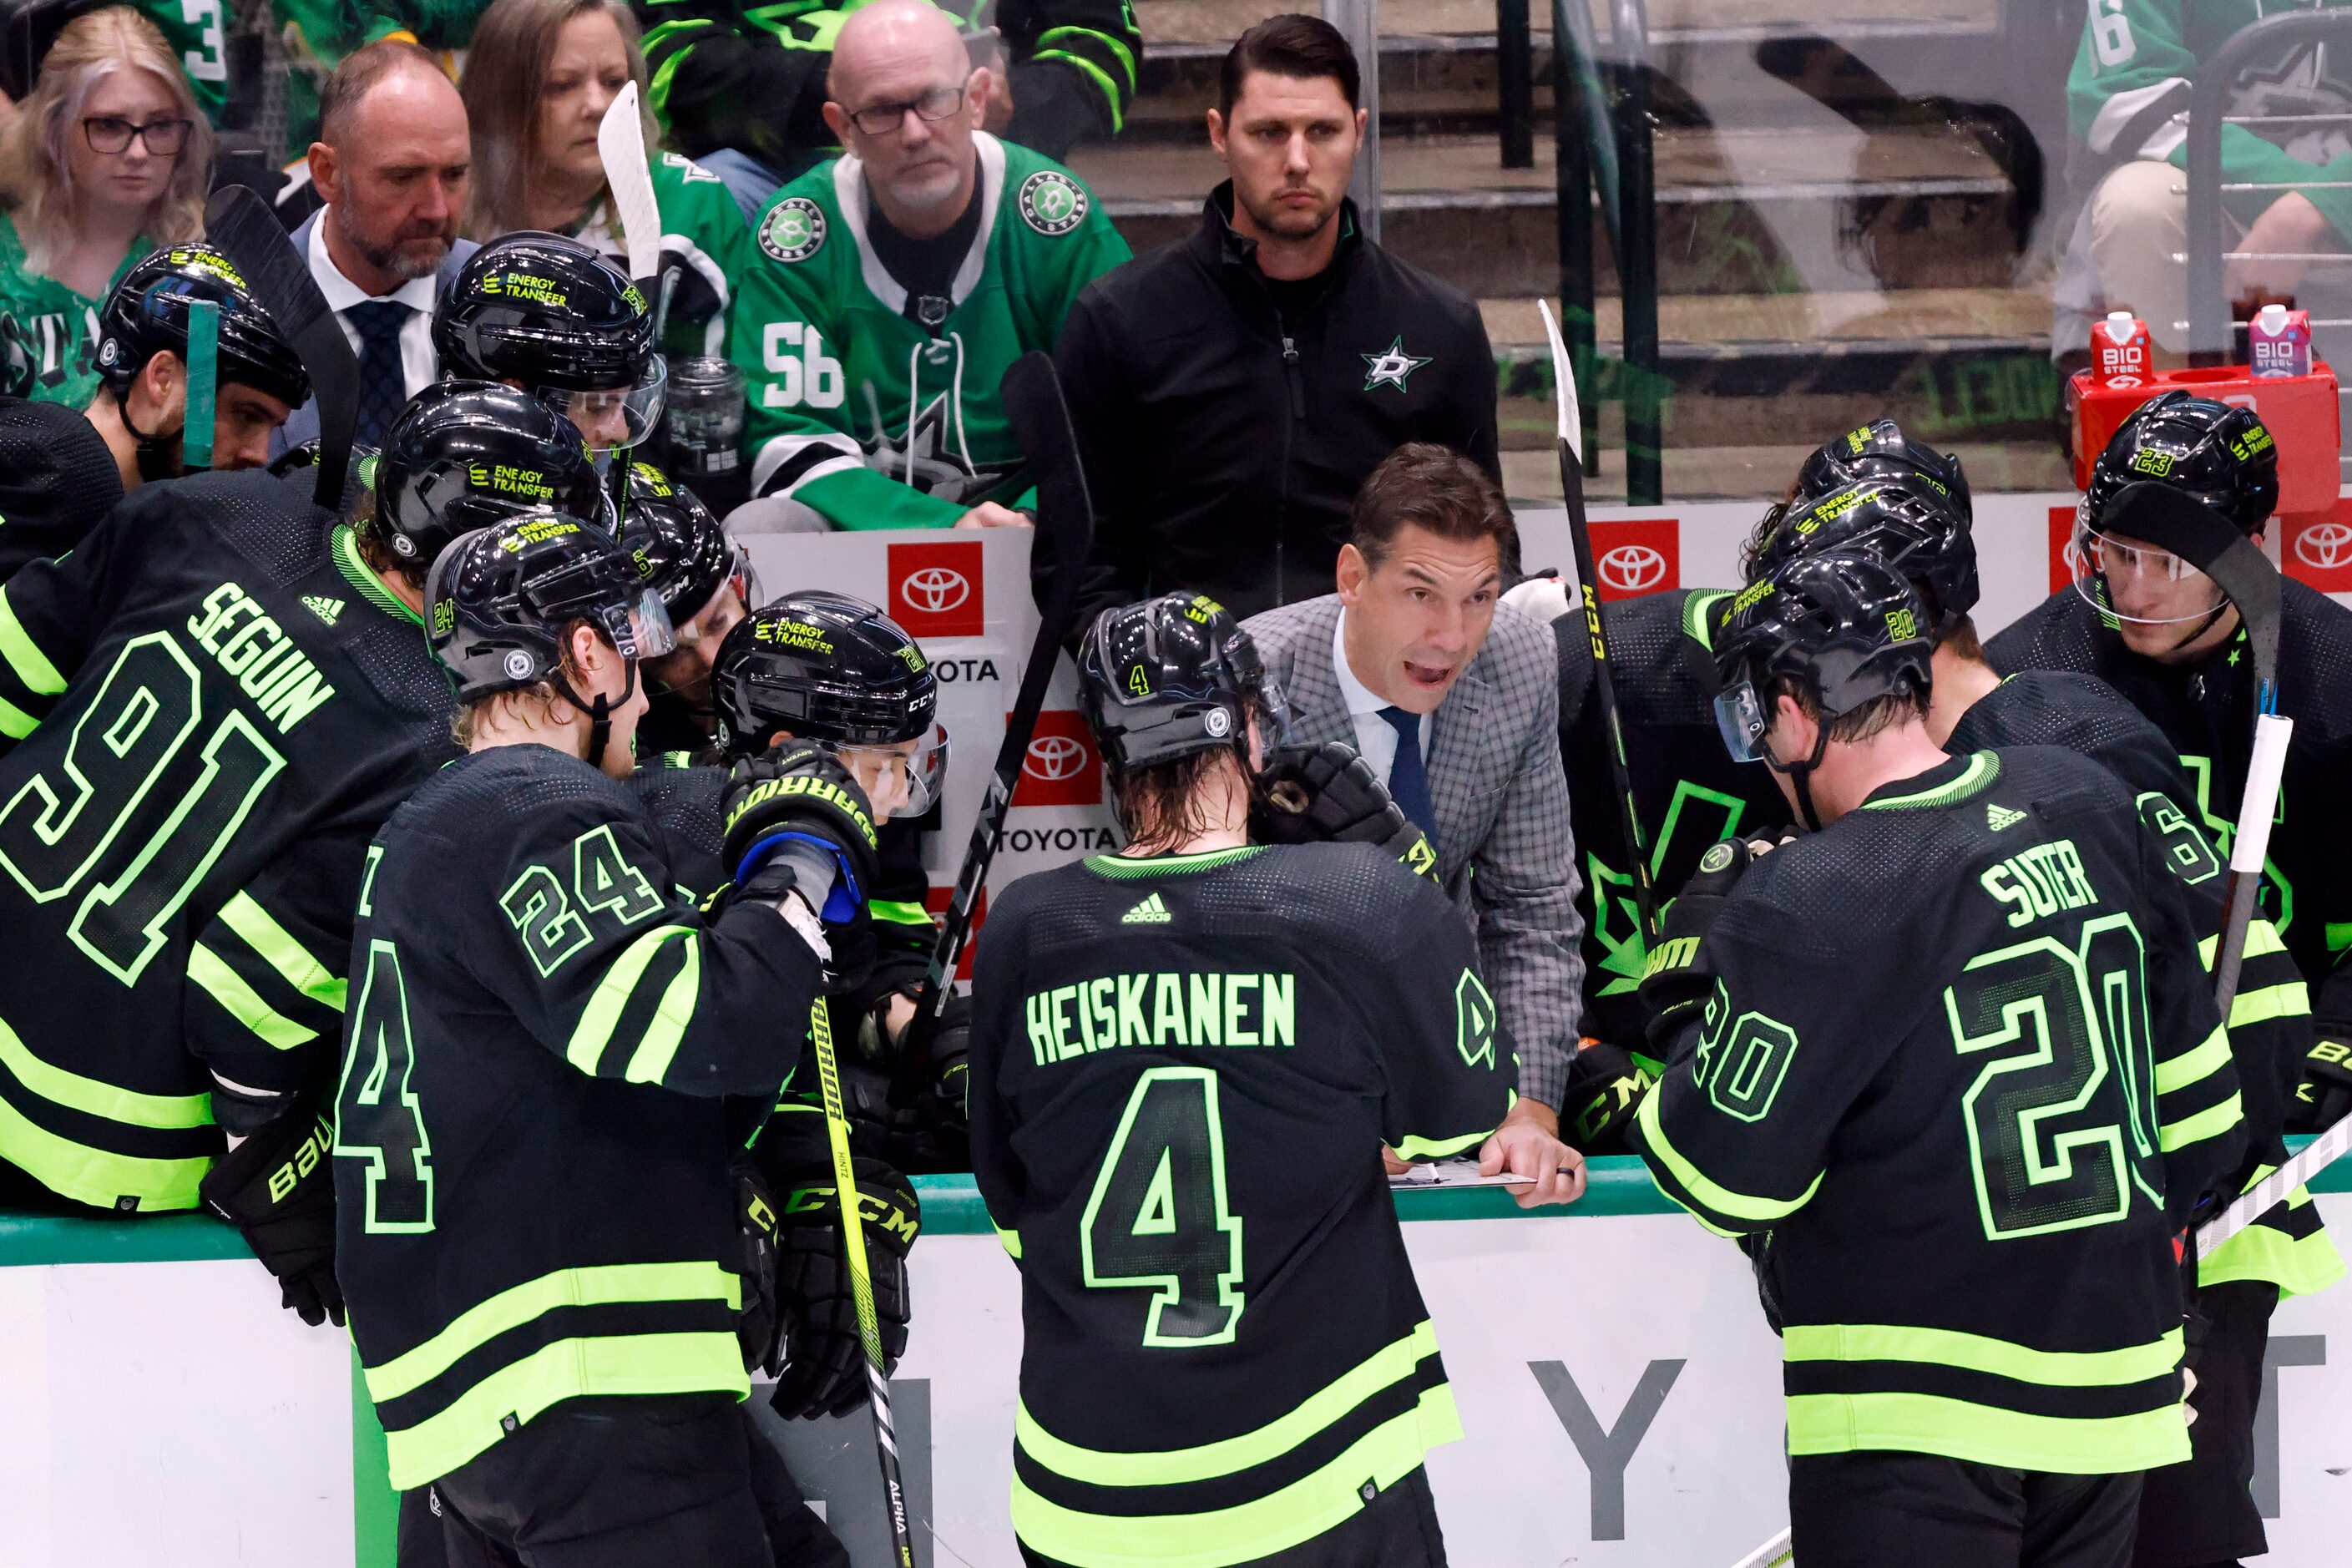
882	119
111	134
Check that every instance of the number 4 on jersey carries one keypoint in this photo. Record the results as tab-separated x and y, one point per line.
377	1118
1158	1219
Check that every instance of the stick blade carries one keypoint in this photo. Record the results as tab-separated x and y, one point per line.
1563	379
621	144
241	228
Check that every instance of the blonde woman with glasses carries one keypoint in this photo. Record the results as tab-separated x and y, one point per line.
107	158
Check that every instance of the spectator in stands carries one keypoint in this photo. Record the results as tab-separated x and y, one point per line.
1454	702
2128	99
107	158
538	75
896	284
394	165
1232	390
744	88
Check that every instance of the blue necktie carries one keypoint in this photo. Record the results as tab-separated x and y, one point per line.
1408	780
383	385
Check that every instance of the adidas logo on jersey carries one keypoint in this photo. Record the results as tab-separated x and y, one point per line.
1151	912
326	609
1998	817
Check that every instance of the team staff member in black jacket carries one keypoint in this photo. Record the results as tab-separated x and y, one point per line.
1232	391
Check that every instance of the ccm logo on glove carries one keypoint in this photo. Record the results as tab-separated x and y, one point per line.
873	1208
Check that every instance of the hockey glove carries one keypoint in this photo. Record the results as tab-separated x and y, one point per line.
2324	1094
1674	983
798	794
761	1327
825	1359
879	1040
1604	1090
1313	794
277	1187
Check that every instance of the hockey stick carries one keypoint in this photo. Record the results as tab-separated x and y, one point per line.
1032	395
1604	686
241	227
861	1283
621	145
1771	1554
2272	1190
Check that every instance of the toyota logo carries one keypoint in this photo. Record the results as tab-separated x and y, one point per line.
1633	568
2325	546
934	589
1054	758
2072	554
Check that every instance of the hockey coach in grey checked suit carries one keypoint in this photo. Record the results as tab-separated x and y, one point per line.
1454	701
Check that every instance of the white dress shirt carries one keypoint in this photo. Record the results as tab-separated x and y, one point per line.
1376	738
418	366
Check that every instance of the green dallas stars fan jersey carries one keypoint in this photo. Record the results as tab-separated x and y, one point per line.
210	706
874	419
532	1128
1962	1064
1181	1071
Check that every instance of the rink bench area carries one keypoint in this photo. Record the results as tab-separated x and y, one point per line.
1619	1390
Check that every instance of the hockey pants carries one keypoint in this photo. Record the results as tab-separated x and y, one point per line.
1922	1511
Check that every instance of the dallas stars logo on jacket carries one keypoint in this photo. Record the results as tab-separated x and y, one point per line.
1391	366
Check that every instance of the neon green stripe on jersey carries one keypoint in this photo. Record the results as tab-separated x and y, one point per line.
1438	1148
1980	1352
279	949
2202	1061
603	1285
15	722
344	545
568	1369
1011	1242
2297	1265
612	995
1110	88
2210	1122
1984	1435
898	912
32	666
1121	866
104	1100
1385	1367
2289	999
228	987
1274	1522
2261	939
1119	51
1982	769
2338	935
1719	1199
93	1176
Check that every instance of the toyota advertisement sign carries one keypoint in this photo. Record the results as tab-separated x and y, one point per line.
2317	549
937	589
1062	768
1638	556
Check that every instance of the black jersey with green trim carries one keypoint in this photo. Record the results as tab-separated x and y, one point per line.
206	708
1181	1071
548	1054
58	477
1962	1065
2206	709
2269	1017
1687	791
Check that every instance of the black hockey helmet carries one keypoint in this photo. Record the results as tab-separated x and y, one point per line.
549	314
2222	454
1879	450
837	671
1173	676
1890	521
1843	630
499	599
465	454
147	314
678	544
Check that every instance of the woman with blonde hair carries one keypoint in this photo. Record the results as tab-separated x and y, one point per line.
539	75
107	158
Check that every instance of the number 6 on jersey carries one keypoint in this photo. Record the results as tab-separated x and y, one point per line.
1158	1218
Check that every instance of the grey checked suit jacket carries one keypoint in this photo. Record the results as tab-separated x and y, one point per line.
1505	852
303	424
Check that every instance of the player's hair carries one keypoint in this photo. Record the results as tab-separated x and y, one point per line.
1162	804
1302	47
1963	642
36	190
374	538
339	94
505	77
1434	488
1874	717
536	702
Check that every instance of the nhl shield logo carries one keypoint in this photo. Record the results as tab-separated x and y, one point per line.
1052	203
794	230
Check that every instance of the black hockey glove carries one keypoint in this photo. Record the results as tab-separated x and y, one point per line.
1314	794
1673	984
1605	1088
950	1048
2324	1094
762	1326
277	1187
798	793
824	1359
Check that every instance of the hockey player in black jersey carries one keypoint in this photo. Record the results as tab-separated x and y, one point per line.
707	585
1950	1062
61	468
2160	632
2203	1512
549	1062
1185	1060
